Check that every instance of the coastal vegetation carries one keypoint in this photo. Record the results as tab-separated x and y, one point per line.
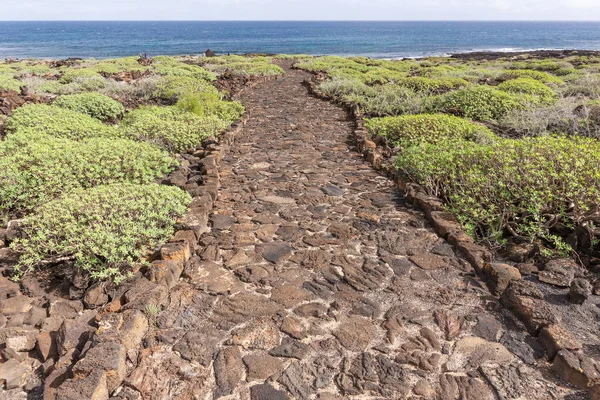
510	145
82	161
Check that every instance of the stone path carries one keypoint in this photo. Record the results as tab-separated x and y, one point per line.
318	282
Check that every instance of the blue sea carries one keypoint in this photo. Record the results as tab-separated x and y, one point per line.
375	39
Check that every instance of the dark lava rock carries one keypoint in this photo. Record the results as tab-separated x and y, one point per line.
332	190
222	221
267	392
229	371
580	291
487	327
274	252
558	273
199	345
290	348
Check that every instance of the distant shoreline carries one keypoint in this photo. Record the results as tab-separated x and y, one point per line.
470	55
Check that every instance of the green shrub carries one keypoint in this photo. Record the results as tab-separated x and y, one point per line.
338	87
106	229
7	82
433	85
174	86
587	85
169	66
559	118
480	103
7	70
72	74
56	121
526	73
210	104
41	86
36	168
171	128
523	185
118	65
93	104
409	130
34	69
247	68
530	86
379	75
330	63
88	78
382	100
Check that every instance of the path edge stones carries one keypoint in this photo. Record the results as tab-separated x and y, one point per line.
568	360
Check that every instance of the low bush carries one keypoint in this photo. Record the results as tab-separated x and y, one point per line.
330	63
587	85
480	103
379	75
172	128
567	116
383	100
338	87
93	104
60	122
144	88
7	82
36	168
169	87
106	230
527	73
41	86
210	104
33	69
88	78
542	93
409	130
246	68
118	65
523	186
169	66
433	85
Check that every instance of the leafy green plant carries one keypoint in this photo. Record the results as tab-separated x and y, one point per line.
57	121
526	73
93	104
210	104
169	66
88	78
41	86
7	82
248	67
169	87
481	103
106	230
36	168
433	85
118	65
383	100
409	130
528	86
522	186
171	127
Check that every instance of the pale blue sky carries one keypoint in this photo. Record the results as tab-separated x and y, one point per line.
299	10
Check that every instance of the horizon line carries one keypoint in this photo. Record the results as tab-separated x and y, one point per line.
303	20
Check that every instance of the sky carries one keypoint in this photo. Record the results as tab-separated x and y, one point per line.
28	10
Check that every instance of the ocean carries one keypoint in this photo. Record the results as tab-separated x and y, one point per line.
374	39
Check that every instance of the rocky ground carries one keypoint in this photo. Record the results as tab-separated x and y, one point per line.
315	281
